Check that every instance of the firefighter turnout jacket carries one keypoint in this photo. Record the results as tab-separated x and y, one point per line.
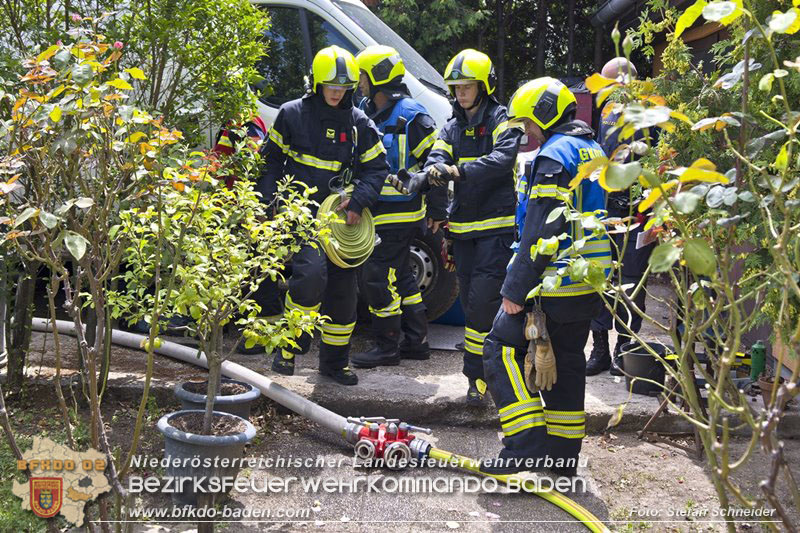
315	143
552	170
485	150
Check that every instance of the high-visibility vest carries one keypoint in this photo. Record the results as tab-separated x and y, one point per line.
587	197
398	153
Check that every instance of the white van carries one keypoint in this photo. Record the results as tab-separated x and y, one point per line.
300	28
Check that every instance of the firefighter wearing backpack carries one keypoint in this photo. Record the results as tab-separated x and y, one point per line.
476	150
555	430
409	132
318	139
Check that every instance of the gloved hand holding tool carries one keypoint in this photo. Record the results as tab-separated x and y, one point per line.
435	175
540	361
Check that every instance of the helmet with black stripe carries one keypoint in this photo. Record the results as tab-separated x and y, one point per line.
470	65
334	66
382	64
546	101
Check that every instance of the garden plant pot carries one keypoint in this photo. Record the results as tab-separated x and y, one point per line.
639	363
236	404
765	384
180	445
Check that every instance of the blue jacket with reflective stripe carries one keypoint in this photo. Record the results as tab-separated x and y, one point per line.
398	152
547	188
405	148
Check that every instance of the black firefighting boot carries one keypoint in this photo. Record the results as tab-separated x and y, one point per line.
283	363
384	353
475	392
600	358
333	363
415	335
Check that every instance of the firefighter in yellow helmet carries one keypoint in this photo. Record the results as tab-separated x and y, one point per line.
562	312
408	131
476	150
322	139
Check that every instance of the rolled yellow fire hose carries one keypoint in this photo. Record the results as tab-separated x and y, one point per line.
556	498
347	246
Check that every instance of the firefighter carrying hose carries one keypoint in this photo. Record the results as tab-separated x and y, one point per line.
477	150
559	316
321	139
409	132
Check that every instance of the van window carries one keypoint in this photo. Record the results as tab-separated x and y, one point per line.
286	61
383	34
324	34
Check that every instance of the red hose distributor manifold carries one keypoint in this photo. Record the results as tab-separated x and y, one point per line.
386	439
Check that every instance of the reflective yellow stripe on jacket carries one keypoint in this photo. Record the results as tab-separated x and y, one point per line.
481	225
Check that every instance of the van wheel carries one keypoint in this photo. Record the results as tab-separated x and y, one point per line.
439	287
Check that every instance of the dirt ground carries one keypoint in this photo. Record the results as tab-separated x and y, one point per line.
642	485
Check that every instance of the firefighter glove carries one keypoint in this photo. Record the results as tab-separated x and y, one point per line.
447	255
545	363
407	183
440	174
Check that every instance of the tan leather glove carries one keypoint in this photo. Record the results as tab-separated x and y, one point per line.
545	363
530	367
439	174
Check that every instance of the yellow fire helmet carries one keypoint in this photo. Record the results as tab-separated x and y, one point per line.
470	65
334	66
543	100
381	63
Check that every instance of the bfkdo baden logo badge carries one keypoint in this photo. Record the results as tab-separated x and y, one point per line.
46	495
61	481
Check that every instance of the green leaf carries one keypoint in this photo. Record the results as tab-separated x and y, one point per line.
664	256
689	17
550	283
699	257
596	277
620	177
555	214
641	117
579	269
55	114
715	196
136	73
716	11
765	83
686	202
76	244
48	219
84	202
82	74
747	196
62	59
25	215
782	160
